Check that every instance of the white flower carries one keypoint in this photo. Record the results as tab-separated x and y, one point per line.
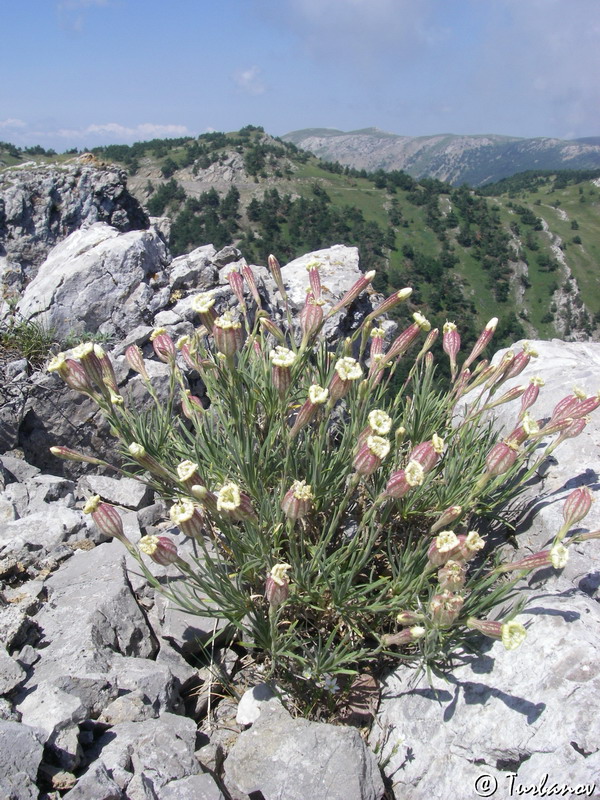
380	422
414	473
203	302
379	446
279	573
330	684
317	395
474	542
186	469
446	541
513	634
228	497
422	321
282	357
559	555
181	511
348	369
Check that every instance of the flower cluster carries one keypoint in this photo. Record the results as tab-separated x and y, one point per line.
328	518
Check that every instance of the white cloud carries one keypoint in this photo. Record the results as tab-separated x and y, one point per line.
363	28
249	80
71	13
116	131
11	123
76	5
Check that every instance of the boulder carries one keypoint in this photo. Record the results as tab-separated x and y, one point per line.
98	280
21	753
282	757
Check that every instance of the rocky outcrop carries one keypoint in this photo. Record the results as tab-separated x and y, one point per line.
99	280
42	205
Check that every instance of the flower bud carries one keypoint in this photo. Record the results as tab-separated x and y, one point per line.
571	431
207	498
511	634
237	285
563	407
72	455
139	454
426	454
352	293
106	517
408	618
451	344
402	342
482	342
530	395
507	397
407	636
577	505
311	317
447	517
249	276
161	549
390	302
192	407
314	278
135	361
268	325
557	557
276	273
163	346
501	458
297	501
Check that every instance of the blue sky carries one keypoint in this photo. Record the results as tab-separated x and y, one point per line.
87	72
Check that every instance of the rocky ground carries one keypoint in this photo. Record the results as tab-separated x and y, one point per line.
108	691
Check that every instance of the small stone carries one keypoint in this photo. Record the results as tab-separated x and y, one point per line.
11	672
249	707
194	787
95	784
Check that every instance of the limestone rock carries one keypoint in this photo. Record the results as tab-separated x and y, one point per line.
96	280
44	204
195	787
11	673
294	759
20	756
125	492
151	753
95	784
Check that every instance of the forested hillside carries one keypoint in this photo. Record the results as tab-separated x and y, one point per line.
524	250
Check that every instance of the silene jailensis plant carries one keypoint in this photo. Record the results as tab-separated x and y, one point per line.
336	525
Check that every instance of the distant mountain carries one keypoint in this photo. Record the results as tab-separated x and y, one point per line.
475	160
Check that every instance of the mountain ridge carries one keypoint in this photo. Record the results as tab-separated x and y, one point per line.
475	159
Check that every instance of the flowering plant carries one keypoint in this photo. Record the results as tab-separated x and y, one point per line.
335	524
